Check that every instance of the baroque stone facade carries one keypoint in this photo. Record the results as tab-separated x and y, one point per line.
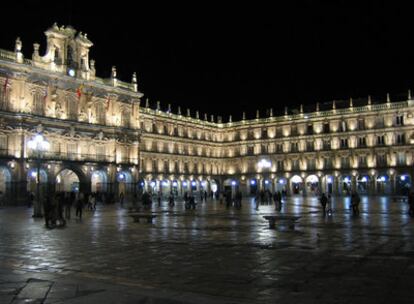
102	140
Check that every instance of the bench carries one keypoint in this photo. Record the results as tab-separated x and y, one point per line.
149	217
291	220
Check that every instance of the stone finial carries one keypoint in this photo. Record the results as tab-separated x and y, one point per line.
369	100
219	119
257	114
244	116
188	113
286	111
212	118
205	117
147	103
230	119
169	108
113	72
388	98
334	105
158	105
18	50
18	45
135	81
179	111
301	109
271	112
409	94
351	103
92	64
317	107
36	47
197	115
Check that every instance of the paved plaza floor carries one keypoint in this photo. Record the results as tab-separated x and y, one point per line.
212	255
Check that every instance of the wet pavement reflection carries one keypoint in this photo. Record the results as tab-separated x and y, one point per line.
223	254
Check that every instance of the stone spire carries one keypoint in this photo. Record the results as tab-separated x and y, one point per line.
301	109
179	111
334	105
271	112
369	100
257	114
244	116
169	108
147	103
158	105
205	117
197	115
286	111
135	82
212	118
317	107
388	98
230	118
409	94
188	113
351	103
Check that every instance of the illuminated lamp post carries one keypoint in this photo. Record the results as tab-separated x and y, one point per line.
39	144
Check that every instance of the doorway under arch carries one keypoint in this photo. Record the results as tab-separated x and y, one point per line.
99	181
67	181
5	179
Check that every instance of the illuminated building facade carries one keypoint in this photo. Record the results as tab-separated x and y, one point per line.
102	140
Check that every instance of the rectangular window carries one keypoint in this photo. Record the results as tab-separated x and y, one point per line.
327	145
381	160
401	159
72	150
344	143
280	166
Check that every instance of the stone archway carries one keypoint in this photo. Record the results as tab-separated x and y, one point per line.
5	179
99	181
312	184
67	181
296	184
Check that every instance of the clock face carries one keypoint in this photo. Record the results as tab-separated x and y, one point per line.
71	72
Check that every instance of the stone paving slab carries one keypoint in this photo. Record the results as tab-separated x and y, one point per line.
212	255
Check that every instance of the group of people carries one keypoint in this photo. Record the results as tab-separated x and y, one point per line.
57	208
325	201
266	197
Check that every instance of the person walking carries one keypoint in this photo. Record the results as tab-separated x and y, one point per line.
171	200
257	200
121	199
69	198
79	207
355	200
324	202
192	202
411	204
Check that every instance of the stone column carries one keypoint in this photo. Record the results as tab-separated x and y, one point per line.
353	183
335	185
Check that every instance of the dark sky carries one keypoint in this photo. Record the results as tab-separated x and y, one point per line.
228	60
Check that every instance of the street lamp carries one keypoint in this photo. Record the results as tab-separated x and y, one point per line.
39	144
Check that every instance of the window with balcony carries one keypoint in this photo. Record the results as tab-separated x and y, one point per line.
362	161
344	143
380	140
362	142
327	144
400	139
310	146
381	160
344	162
280	166
294	147
399	120
295	164
326	127
401	159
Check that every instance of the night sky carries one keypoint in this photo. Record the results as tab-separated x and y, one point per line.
227	60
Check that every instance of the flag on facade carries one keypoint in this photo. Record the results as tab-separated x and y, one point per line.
79	91
46	93
6	83
108	101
